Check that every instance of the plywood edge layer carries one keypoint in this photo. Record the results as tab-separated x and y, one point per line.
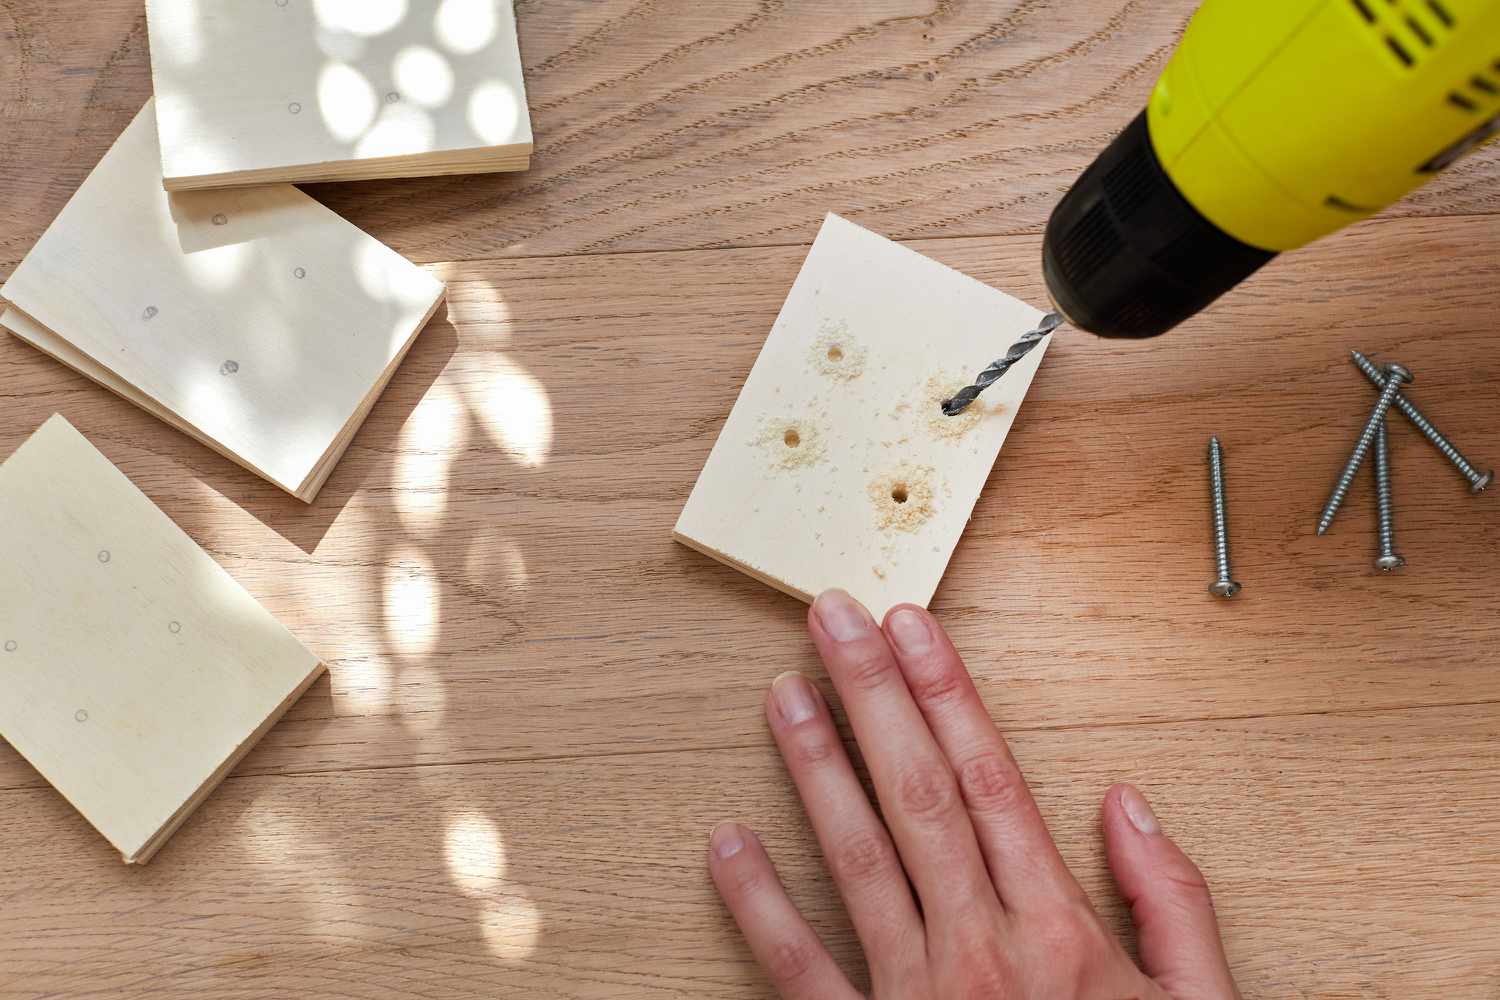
513	159
159	839
318	477
733	563
26	328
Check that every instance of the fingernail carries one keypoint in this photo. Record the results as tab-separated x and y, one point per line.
1139	811
909	630
726	841
842	616
794	698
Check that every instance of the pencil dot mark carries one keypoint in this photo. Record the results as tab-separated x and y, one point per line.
174	627
300	273
393	98
80	716
104	555
221	219
281	3
11	645
149	313
295	107
229	368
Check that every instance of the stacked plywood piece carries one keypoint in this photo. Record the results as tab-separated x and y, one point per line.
134	672
257	91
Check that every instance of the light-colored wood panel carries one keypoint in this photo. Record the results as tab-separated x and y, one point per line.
837	466
1350	855
499	550
134	672
255	93
726	123
256	318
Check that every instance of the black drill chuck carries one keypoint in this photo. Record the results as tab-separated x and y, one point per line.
1126	255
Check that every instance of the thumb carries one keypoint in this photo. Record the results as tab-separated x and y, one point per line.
1169	899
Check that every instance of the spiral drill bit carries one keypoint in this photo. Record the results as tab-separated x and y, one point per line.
965	397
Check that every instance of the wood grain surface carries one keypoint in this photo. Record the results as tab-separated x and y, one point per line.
538	704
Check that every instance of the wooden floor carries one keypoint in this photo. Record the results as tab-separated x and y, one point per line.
538	705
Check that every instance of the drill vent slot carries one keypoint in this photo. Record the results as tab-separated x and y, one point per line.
1458	100
1407	29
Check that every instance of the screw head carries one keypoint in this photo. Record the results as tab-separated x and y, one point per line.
1224	588
1389	564
1483	482
1399	373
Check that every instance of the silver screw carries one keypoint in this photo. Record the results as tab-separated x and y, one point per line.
1388	561
1224	586
1396	376
1478	481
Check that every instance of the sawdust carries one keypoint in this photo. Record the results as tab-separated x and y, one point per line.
940	389
903	498
836	353
791	444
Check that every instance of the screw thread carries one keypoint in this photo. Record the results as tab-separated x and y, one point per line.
1421	423
1361	449
1221	513
1383	504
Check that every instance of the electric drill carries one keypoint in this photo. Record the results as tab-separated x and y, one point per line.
1275	123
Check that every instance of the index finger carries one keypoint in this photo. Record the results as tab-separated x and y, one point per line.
918	794
1022	856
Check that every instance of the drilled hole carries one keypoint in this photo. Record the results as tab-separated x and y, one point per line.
792	438
900	493
835	353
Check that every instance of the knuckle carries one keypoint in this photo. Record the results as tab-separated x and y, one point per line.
982	970
789	962
869	667
1071	929
861	857
928	791
812	750
745	880
937	689
993	783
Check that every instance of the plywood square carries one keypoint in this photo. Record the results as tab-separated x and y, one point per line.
837	467
134	672
255	320
253	91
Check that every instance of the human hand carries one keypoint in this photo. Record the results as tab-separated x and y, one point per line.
960	894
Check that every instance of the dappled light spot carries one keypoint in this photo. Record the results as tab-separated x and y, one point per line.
401	129
512	926
494	112
474	853
412	603
366	18
497	565
516	410
434	434
362	686
424	76
347	101
466	26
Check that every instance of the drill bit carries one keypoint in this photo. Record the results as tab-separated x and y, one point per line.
965	397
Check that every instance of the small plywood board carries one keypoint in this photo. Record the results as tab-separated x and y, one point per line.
256	320
134	671
837	466
256	91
